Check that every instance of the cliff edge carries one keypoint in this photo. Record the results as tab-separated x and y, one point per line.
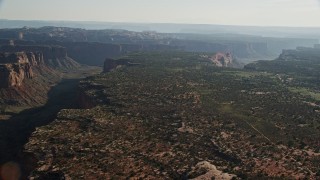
15	67
55	57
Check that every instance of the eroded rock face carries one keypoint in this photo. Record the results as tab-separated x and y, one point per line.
51	56
18	62
15	67
222	59
206	170
35	58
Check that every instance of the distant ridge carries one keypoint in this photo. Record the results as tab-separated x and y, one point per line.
271	31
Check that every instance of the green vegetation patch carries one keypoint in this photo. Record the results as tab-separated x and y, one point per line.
305	92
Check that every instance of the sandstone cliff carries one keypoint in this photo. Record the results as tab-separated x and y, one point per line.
15	67
27	73
25	79
52	56
222	59
19	62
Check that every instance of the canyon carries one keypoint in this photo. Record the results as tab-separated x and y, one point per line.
35	87
93	46
103	104
28	72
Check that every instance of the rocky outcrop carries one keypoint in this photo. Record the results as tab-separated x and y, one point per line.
52	56
207	170
11	75
28	72
35	58
222	59
18	62
15	67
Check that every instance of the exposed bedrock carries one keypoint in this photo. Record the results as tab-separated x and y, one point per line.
15	67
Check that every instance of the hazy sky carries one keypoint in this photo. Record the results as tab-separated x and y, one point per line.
237	12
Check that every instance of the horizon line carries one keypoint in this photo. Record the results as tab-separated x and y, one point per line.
171	23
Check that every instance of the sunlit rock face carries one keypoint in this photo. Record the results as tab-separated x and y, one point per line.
15	67
51	56
19	62
222	59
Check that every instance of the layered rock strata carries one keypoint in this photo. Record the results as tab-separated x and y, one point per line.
15	67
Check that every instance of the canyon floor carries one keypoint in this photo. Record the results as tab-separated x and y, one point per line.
17	125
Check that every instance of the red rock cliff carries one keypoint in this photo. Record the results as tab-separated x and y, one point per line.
51	56
222	59
15	67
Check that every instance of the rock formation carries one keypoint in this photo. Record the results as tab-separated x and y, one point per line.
15	67
222	59
211	171
52	56
27	72
19	62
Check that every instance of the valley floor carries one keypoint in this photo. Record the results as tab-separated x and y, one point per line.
16	128
175	116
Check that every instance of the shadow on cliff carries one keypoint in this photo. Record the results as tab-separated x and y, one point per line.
15	132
